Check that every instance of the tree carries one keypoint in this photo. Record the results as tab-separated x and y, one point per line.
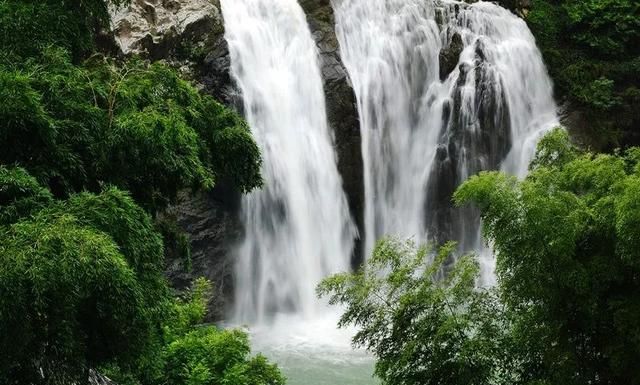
68	302
26	26
566	309
426	325
137	126
206	355
568	261
20	195
81	284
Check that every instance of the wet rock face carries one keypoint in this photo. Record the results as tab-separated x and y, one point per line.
342	110
450	55
212	222
471	141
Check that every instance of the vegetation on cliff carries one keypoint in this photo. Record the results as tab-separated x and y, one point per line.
134	125
591	51
91	148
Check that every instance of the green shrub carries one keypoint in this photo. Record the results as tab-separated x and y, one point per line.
208	356
28	26
68	302
136	126
20	195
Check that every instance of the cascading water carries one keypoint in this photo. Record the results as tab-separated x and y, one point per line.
426	128
298	228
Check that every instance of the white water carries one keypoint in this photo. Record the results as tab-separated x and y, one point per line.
297	228
314	351
414	124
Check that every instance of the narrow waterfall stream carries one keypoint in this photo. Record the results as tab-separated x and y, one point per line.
297	228
445	89
427	128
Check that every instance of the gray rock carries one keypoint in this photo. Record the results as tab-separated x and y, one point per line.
450	55
211	220
342	110
157	28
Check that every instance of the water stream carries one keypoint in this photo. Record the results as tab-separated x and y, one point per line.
427	128
298	228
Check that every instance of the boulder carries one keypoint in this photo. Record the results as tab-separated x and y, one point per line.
157	29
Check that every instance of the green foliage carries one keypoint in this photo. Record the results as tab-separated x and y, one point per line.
555	147
196	354
204	355
82	286
189	311
592	54
425	324
20	195
56	294
28	26
208	356
610	27
568	259
115	213
566	309
68	302
137	126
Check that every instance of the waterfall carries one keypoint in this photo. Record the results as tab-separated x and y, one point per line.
297	228
445	89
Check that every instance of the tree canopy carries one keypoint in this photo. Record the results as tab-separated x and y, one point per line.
138	126
568	259
566	308
426	325
68	302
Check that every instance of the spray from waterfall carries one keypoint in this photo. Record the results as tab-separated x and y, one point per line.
297	228
445	89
